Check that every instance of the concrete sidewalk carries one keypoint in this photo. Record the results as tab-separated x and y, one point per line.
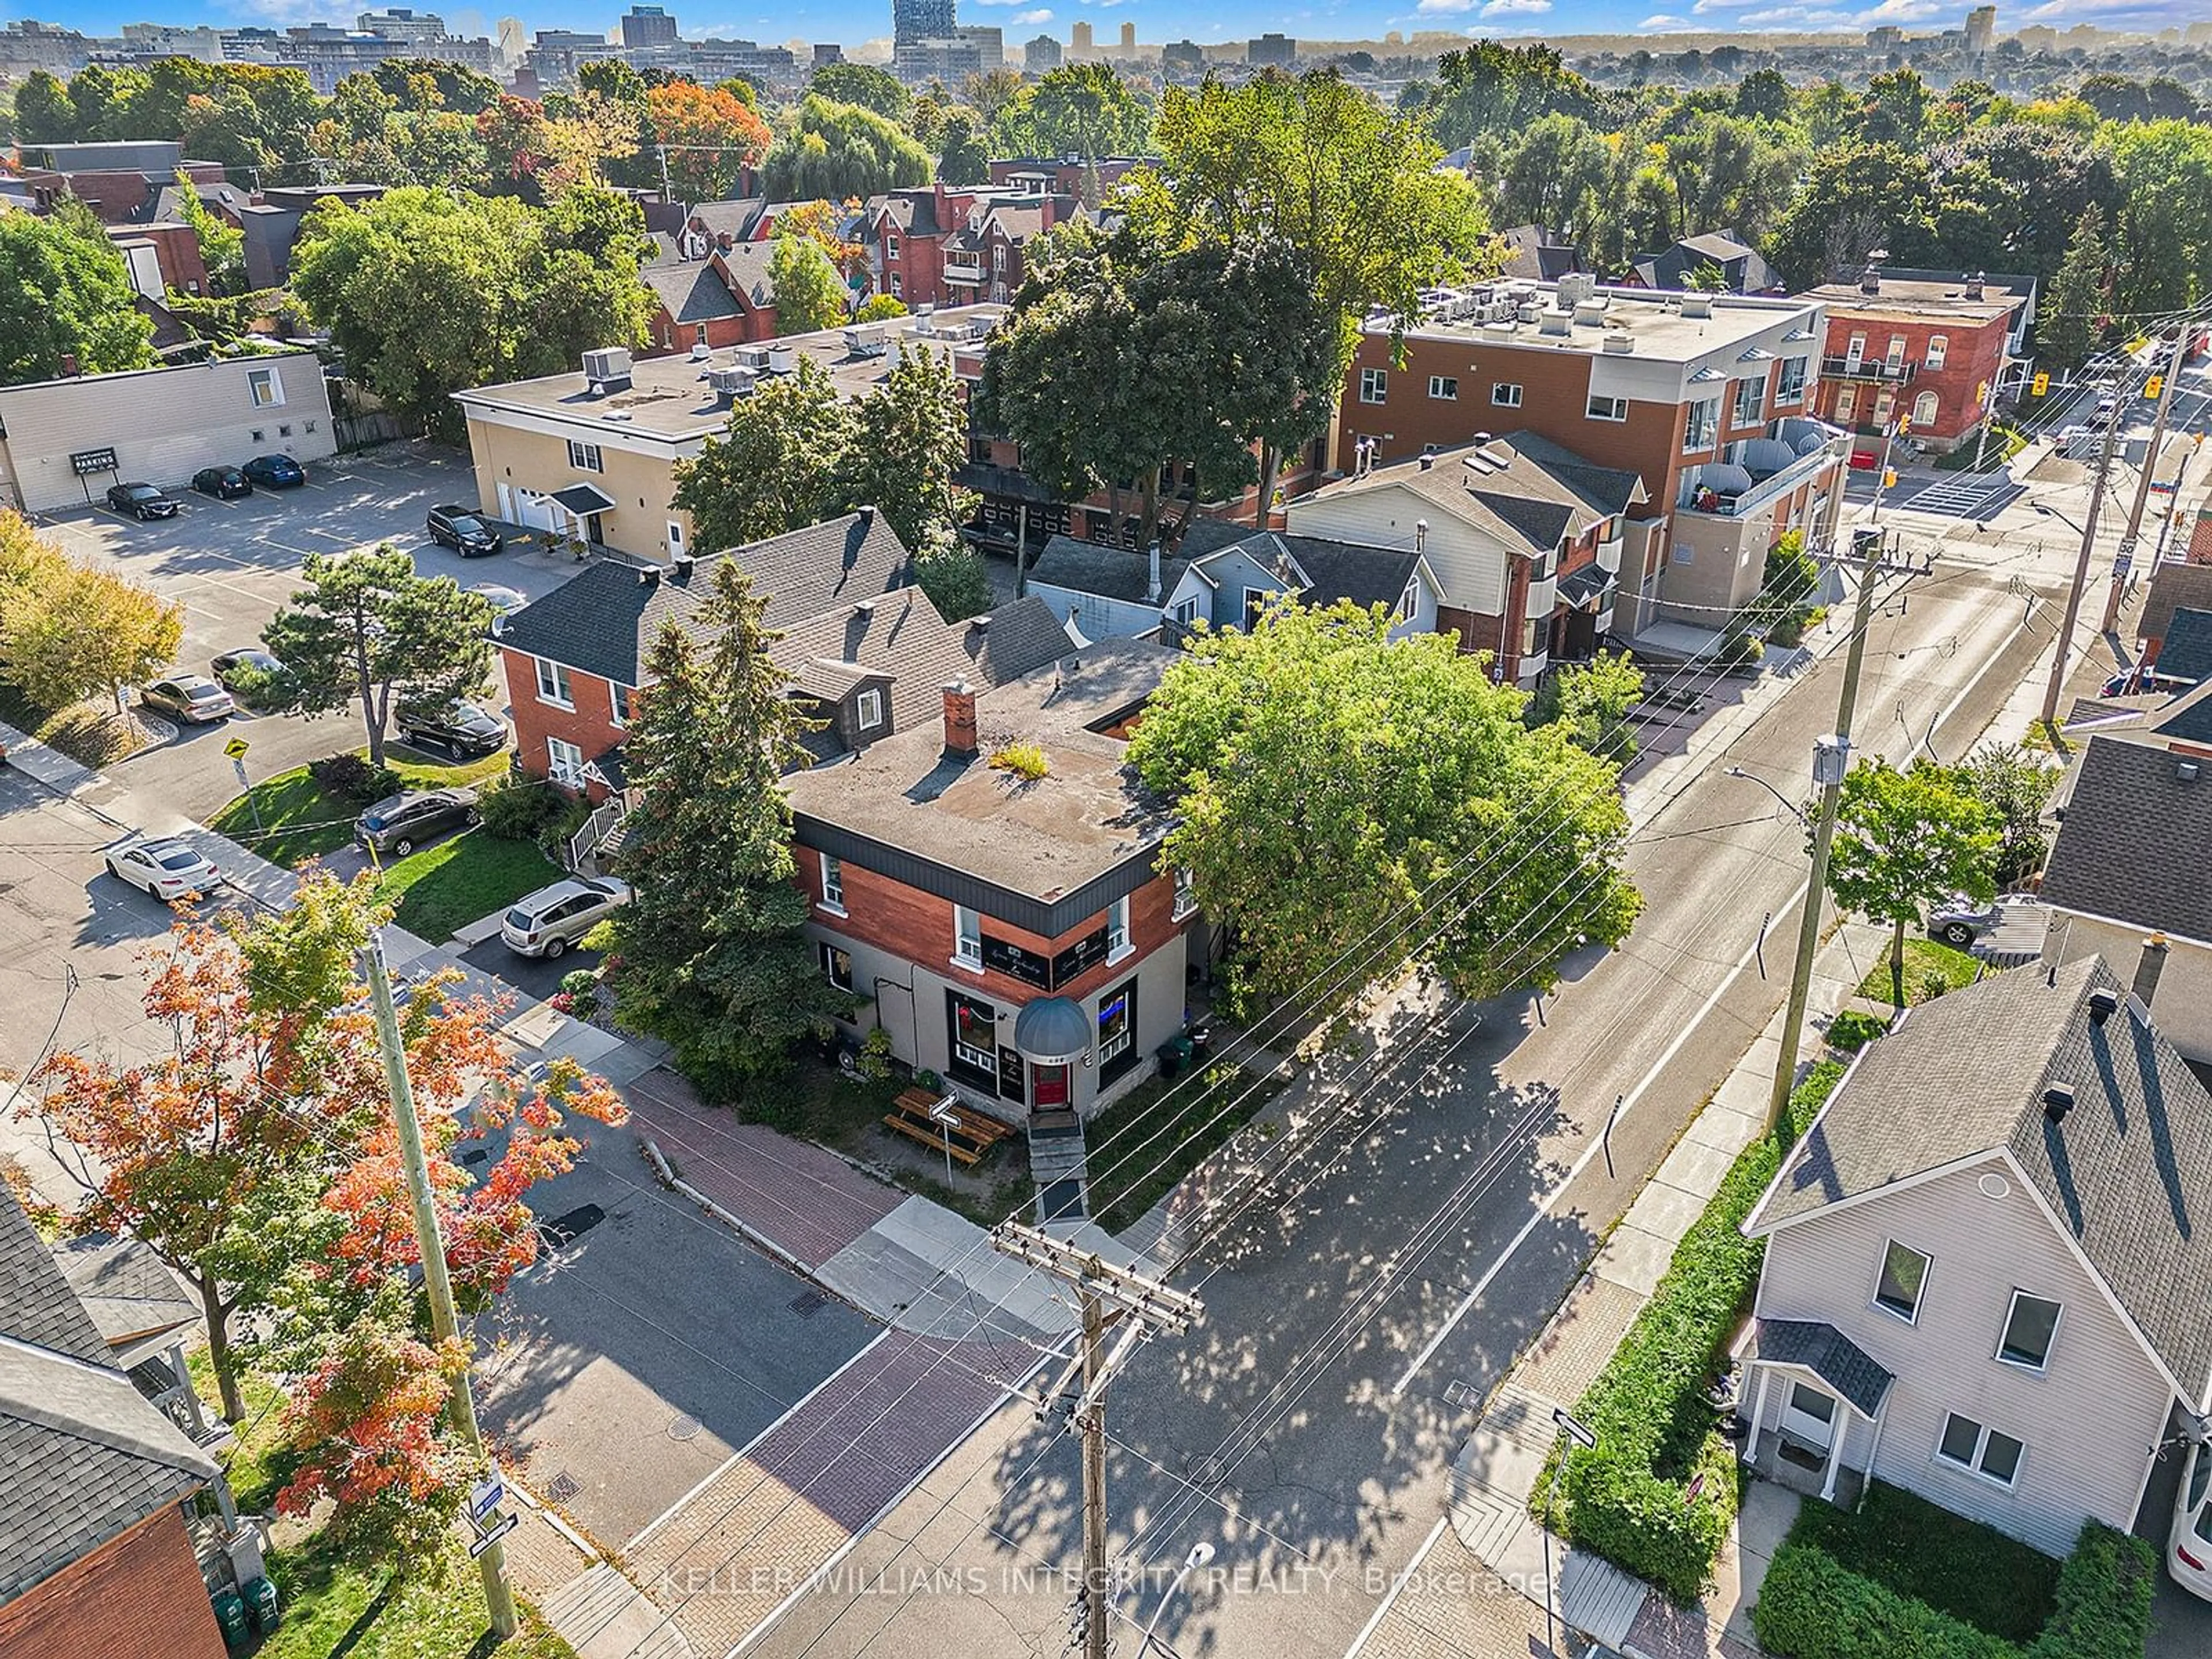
1491	1542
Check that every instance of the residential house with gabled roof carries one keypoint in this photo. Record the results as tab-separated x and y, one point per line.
723	299
1108	590
864	646
1522	537
2184	651
1985	1261
2174	586
1740	269
95	1556
2129	859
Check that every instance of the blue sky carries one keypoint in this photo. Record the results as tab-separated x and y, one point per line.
855	21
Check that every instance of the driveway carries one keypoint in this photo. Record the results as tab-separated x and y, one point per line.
234	563
2180	1624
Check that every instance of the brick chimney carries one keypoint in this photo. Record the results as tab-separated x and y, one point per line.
960	739
2148	966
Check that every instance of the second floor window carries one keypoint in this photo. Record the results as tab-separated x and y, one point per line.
1903	1276
1505	394
1750	402
1117	928
585	458
1939	347
967	936
1444	386
1374	386
1609	409
2030	1325
1186	900
890	247
833	884
1789	384
553	684
871	710
267	390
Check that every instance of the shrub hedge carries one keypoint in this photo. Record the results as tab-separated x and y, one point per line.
1812	1607
1957	1566
1657	1493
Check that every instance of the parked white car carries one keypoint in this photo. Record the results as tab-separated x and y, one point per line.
169	868
547	921
2189	1545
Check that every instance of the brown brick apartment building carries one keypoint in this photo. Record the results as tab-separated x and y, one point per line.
1919	344
1706	398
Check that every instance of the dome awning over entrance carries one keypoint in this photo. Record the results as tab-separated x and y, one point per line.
1053	1031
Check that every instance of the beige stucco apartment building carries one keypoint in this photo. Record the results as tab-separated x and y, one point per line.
63	442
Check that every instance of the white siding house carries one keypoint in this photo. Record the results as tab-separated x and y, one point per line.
1973	1284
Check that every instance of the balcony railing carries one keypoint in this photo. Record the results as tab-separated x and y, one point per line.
1731	488
964	268
1870	368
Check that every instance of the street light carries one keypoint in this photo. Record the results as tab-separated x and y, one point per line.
1788	804
1200	1553
2049	512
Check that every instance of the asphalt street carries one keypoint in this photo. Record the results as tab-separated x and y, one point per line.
233	564
1303	1427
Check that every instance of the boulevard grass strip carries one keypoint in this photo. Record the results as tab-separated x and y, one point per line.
301	820
90	734
444	888
1930	969
1157	1134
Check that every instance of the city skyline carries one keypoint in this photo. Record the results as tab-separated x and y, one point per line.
856	22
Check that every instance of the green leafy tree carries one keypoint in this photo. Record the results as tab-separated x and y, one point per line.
2071	323
367	630
2162	236
1905	840
1725	173
2000	188
2015	785
1590	702
714	958
775	467
82	629
835	151
808	293
1788	590
1555	175
909	437
44	112
1331	784
879	309
1078	109
429	292
1488	87
1763	95
964	152
1854	200
66	302
868	85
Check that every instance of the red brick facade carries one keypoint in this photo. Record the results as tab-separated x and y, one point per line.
138	1596
589	724
1900	368
176	251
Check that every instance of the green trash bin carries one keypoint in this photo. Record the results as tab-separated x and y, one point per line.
261	1602
230	1614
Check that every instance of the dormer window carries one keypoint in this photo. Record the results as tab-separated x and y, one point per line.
868	710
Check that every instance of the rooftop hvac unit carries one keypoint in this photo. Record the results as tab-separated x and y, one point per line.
754	357
1697	305
730	381
701	352
602	367
925	318
1620	344
782	359
1555	322
866	340
1590	313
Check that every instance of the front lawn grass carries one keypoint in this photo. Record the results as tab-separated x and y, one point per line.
335	1605
256	1460
301	820
1930	969
1957	1566
91	733
1159	1132
448	886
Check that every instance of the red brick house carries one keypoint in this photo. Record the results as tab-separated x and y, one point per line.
723	299
1018	935
1059	175
1931	346
949	246
94	1554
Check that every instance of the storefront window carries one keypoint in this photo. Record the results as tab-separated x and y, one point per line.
1117	1030
975	1032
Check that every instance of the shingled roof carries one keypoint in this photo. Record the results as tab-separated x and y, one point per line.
2185	652
83	1457
2173	587
2126	1174
2123	851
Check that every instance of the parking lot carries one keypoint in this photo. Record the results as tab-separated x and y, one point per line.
234	563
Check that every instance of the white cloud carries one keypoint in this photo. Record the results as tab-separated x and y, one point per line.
1040	15
1516	8
1902	11
1789	17
1663	21
1430	8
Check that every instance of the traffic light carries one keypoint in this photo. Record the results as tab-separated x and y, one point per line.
1889	477
2042	382
2153	385
1904	424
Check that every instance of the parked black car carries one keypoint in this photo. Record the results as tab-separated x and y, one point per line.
276	472
460	529
141	500
223	483
399	824
459	729
239	672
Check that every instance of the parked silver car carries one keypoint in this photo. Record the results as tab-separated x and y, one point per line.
547	921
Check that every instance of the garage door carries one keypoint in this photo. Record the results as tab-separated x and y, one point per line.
534	511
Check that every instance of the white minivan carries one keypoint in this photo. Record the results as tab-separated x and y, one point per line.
2189	1546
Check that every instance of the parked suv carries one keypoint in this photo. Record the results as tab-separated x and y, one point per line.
276	472
399	824
460	529
547	921
459	729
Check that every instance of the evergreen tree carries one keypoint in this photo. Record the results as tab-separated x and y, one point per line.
2071	327
709	954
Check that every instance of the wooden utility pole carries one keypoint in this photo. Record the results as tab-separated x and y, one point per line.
2124	561
2080	576
1832	758
1108	1295
499	1595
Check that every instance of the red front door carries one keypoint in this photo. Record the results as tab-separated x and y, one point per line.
1047	1087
